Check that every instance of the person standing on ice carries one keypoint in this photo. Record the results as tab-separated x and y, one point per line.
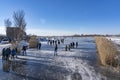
55	50
59	42
73	44
50	42
3	53
16	51
53	42
13	53
39	45
69	47
76	44
7	53
66	48
24	50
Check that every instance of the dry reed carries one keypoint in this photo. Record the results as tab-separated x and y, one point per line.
106	51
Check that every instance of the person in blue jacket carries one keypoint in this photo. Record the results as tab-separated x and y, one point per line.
13	53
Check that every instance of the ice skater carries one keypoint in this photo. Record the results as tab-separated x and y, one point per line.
7	53
39	45
73	45
13	53
50	42
24	50
59	42
69	47
66	47
76	44
3	53
55	50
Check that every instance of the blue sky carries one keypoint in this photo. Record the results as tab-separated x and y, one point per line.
65	17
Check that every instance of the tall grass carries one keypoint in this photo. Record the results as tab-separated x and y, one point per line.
33	42
106	51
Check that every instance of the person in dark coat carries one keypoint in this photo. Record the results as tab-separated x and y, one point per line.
7	52
16	51
39	45
24	50
53	42
3	53
59	42
50	42
76	44
55	50
73	44
66	48
69	47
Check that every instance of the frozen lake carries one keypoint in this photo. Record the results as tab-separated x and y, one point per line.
77	64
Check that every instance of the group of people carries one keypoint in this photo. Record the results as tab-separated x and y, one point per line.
57	42
7	52
54	42
71	45
12	52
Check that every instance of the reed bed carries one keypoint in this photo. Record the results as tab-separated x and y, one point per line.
33	42
107	51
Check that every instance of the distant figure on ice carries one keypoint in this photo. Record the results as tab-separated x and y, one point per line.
69	47
76	44
62	40
59	42
24	50
53	42
73	44
55	50
3	53
39	45
66	48
50	42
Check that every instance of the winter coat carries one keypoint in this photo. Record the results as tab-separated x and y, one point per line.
8	51
13	51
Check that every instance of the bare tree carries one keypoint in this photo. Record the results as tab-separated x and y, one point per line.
19	19
7	23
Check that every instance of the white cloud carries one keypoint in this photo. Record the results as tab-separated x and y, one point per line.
2	30
42	32
46	32
42	21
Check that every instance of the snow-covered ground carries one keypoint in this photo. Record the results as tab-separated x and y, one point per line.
116	40
77	64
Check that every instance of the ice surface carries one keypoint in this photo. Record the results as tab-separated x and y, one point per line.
43	65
